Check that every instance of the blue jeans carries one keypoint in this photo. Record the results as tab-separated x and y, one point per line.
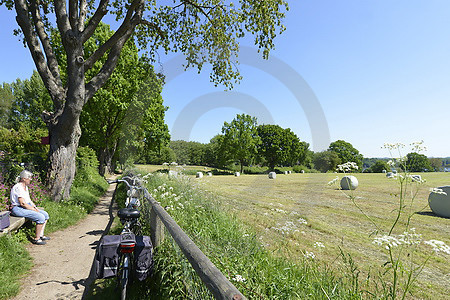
38	217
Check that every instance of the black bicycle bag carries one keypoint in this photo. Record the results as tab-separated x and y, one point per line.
143	257
107	256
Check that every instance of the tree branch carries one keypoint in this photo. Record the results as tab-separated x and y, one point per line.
133	18
155	27
50	82
102	9
52	62
62	20
83	14
73	14
134	14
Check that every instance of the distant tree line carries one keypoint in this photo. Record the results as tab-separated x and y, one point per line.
243	143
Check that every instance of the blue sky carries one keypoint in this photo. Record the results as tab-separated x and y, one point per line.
379	70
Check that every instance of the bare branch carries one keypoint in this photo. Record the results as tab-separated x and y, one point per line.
73	14
102	9
83	14
134	14
102	77
133	18
52	63
50	82
62	19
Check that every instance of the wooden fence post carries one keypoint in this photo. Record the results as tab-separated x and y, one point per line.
156	229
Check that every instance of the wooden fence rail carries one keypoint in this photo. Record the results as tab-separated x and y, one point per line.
214	280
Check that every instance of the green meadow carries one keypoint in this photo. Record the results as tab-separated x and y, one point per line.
300	214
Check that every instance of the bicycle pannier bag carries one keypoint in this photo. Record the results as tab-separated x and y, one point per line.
4	220
143	257
107	257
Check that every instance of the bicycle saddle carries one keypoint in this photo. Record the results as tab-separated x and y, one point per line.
128	213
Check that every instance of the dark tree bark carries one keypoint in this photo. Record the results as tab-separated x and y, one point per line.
63	122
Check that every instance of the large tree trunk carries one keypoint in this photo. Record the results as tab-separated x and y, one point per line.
62	157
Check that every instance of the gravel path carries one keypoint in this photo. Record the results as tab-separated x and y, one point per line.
64	267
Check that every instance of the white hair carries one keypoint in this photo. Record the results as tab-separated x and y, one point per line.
24	174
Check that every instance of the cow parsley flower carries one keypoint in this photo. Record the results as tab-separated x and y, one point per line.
438	246
309	255
319	245
238	278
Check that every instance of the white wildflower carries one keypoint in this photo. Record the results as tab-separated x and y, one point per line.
319	245
389	241
438	191
410	238
238	278
309	255
333	181
393	146
418	147
302	221
347	167
391	163
438	246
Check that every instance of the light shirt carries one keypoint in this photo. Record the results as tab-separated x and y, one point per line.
17	191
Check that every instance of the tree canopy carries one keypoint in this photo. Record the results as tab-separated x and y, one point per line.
326	160
206	32
279	146
240	139
346	152
416	162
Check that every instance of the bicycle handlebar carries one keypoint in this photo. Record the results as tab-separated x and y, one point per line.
128	184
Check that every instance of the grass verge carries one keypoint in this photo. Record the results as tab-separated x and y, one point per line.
15	261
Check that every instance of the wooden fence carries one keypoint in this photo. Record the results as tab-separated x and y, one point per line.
214	280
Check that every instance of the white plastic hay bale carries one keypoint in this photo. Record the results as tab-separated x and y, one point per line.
286	172
209	174
302	171
199	175
349	182
237	174
384	171
440	203
272	175
290	172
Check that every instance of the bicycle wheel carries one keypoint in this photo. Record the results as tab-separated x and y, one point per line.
124	284
123	276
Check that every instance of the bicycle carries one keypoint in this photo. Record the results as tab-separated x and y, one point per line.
129	217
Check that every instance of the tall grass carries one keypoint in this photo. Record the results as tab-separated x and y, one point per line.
234	249
14	263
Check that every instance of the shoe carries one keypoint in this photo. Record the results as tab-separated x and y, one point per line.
38	242
45	238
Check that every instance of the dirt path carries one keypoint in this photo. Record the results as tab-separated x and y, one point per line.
64	267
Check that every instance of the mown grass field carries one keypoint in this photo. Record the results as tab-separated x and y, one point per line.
278	208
